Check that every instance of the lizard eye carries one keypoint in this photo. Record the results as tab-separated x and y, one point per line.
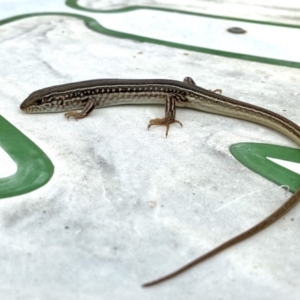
39	101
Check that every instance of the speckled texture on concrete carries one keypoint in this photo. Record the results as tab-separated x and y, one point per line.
126	205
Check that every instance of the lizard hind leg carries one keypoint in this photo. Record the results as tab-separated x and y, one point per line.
189	80
216	91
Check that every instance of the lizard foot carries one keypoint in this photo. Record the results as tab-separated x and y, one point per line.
164	121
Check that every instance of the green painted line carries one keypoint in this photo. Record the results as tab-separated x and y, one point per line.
254	156
34	167
74	4
95	26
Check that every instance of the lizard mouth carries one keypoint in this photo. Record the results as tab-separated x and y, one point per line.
23	106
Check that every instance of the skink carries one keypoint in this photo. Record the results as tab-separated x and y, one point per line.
88	95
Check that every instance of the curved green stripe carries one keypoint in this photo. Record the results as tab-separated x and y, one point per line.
253	156
34	167
75	5
95	26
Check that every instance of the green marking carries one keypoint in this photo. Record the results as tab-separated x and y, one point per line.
34	167
95	26
253	156
75	5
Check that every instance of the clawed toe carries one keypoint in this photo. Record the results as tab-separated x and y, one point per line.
73	114
164	121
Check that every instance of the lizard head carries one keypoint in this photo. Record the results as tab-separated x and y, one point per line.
40	101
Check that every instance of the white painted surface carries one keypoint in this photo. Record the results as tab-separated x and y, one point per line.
261	40
126	205
8	166
295	167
